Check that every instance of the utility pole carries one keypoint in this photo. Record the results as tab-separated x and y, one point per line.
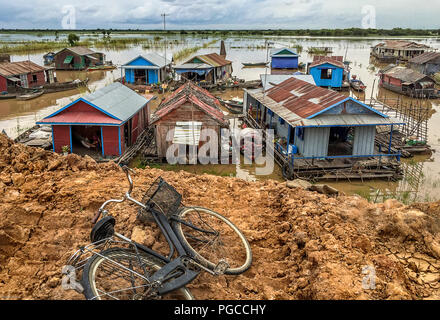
166	41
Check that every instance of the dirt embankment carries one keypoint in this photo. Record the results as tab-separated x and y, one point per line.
305	245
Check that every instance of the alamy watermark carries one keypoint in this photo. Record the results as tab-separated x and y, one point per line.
69	17
369	281
369	17
206	146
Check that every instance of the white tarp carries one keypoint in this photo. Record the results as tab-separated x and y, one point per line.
187	133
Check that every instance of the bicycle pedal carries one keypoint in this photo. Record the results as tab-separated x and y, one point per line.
221	267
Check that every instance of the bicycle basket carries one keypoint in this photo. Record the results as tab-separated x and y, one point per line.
161	197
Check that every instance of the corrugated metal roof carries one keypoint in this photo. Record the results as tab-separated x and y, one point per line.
303	98
154	58
323	120
81	51
401	44
404	74
213	59
114	100
425	57
8	69
274	79
199	97
193	66
276	51
334	60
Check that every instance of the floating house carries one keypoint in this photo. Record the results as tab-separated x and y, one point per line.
149	68
183	115
23	74
313	123
271	80
328	72
284	58
393	50
210	68
427	63
407	81
77	58
102	124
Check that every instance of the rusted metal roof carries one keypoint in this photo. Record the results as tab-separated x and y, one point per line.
334	60
404	74
401	44
8	69
213	59
199	97
323	120
303	98
425	57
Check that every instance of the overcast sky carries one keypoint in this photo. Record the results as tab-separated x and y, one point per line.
225	14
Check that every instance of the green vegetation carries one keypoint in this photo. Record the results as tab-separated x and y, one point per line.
72	39
314	50
185	52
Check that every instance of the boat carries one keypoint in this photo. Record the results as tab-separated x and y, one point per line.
64	86
234	110
100	68
254	64
31	95
233	106
357	85
8	96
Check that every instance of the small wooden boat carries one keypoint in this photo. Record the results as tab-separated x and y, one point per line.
357	85
31	95
100	68
8	96
254	64
234	110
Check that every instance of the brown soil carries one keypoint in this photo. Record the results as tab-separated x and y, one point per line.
305	245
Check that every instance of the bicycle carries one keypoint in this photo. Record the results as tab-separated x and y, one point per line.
116	267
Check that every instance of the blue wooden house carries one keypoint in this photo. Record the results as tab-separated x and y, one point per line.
150	68
328	72
284	58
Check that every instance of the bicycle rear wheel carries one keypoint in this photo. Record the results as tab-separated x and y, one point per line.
104	277
212	238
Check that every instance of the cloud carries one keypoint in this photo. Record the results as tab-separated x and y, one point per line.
198	14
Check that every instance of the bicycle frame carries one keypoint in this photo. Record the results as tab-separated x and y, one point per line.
171	265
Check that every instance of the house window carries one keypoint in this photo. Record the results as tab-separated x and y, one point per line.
34	78
326	73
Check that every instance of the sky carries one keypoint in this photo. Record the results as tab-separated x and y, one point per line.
225	14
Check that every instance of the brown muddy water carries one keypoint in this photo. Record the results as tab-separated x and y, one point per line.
422	178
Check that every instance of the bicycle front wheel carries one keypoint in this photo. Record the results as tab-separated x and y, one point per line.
116	274
212	238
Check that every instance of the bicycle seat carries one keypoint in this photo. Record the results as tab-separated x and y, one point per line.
103	229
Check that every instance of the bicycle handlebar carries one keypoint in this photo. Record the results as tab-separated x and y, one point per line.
127	171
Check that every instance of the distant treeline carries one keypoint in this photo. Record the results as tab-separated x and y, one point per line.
351	32
354	32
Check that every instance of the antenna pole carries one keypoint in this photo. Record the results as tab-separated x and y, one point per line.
166	41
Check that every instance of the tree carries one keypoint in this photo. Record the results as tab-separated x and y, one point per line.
73	39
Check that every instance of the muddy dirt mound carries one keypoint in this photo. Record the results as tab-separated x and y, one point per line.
305	245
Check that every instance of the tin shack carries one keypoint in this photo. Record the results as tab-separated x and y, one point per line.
284	58
427	63
329	72
180	118
317	128
149	68
23	74
406	81
77	58
102	124
393	50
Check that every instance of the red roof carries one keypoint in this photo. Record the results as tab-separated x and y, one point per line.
9	69
189	92
334	60
303	98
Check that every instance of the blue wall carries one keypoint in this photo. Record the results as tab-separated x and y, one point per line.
153	76
334	82
285	62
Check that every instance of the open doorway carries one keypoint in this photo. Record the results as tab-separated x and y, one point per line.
86	140
140	76
340	141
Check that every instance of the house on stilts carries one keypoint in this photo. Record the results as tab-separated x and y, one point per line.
102	124
182	117
322	134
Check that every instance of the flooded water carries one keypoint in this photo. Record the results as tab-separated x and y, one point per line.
422	179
